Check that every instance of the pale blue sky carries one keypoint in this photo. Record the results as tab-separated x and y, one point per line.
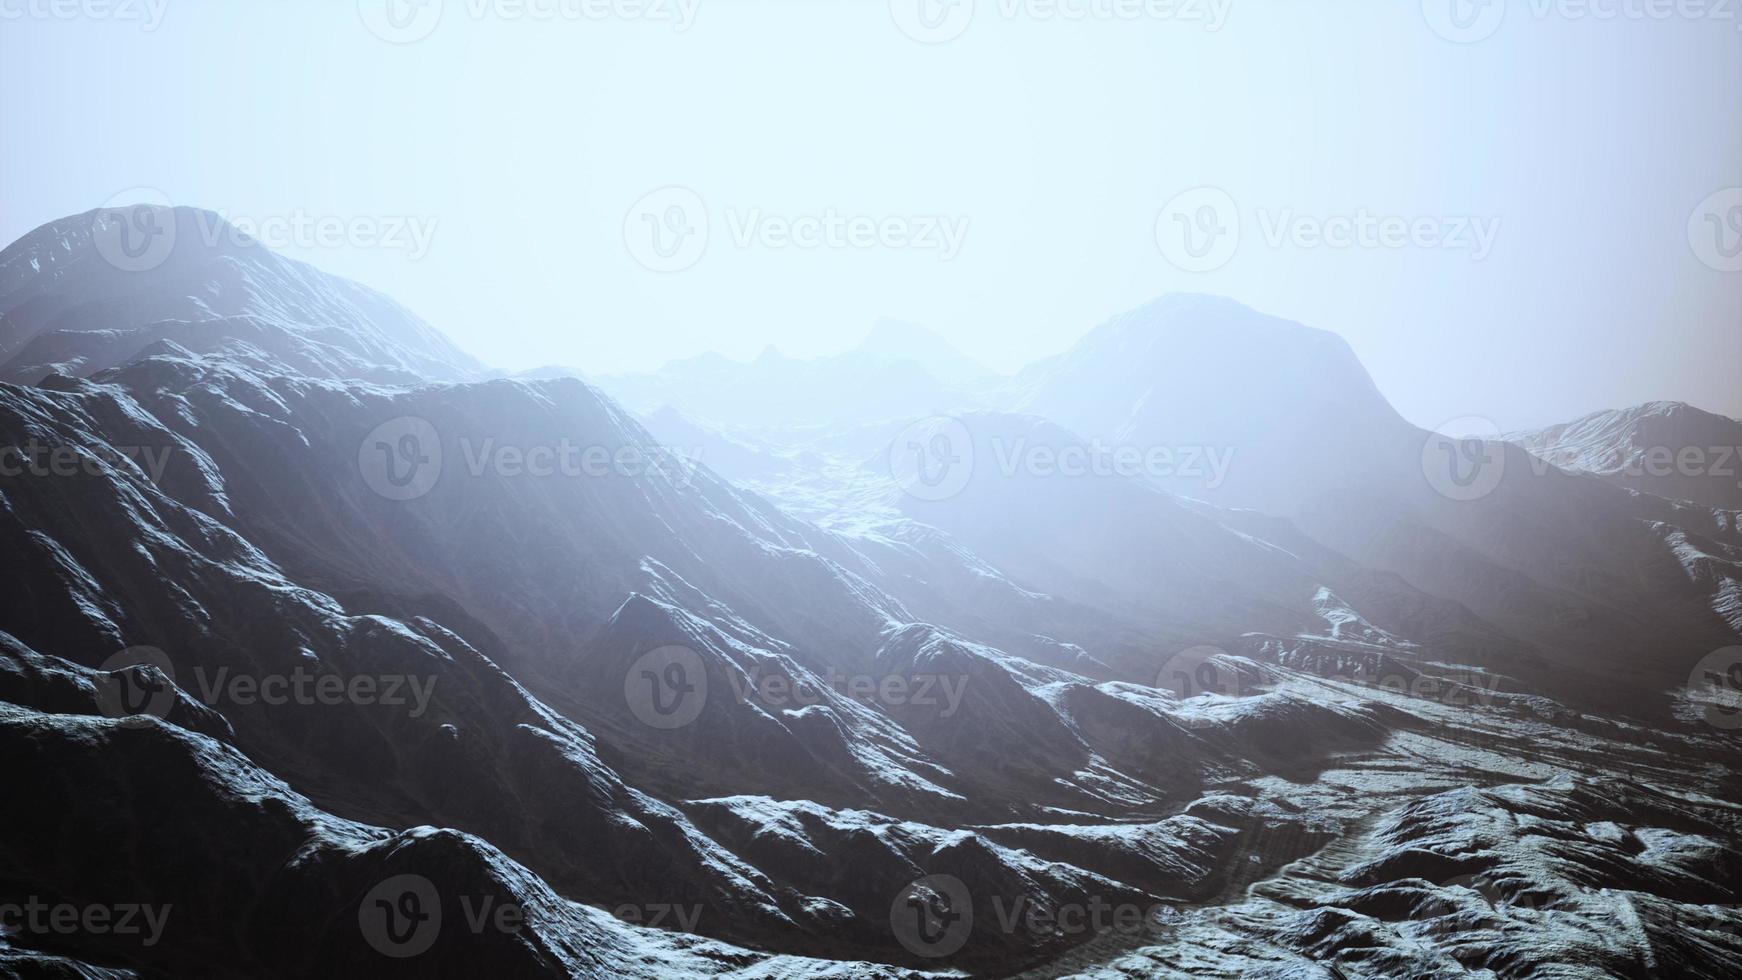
1588	144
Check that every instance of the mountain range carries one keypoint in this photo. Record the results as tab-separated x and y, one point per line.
1178	654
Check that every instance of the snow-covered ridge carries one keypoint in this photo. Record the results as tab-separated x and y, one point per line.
1668	448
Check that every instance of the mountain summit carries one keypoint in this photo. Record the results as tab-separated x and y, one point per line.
93	290
1668	448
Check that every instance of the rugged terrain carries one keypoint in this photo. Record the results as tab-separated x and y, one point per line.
1179	654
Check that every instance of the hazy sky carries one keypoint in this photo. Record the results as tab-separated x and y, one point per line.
1517	192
